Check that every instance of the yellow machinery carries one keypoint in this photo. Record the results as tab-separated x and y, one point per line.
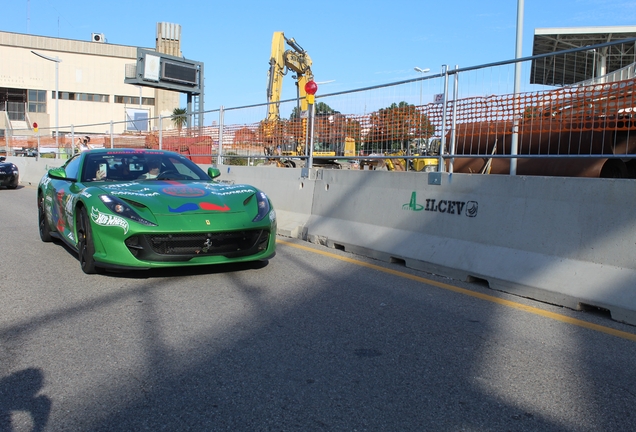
297	60
280	61
417	163
429	148
346	149
349	147
425	164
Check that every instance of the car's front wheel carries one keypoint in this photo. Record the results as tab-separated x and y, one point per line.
43	223
85	245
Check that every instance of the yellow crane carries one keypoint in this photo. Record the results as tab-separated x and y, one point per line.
281	61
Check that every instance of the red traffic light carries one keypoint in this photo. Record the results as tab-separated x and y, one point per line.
35	125
311	87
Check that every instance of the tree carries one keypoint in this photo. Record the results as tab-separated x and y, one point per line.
394	127
324	109
179	118
320	108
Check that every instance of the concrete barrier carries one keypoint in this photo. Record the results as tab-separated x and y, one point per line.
32	170
565	241
291	194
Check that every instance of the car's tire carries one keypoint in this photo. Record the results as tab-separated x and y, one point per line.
85	245
43	223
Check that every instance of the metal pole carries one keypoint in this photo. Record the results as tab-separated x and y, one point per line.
454	120
189	112
72	140
442	166
57	108
514	143
311	116
57	98
160	131
8	138
201	100
112	137
219	156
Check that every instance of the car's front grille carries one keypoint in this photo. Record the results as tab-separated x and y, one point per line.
182	247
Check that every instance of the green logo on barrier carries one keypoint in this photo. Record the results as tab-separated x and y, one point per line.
459	208
413	205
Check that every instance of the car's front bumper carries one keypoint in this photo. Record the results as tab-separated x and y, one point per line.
172	245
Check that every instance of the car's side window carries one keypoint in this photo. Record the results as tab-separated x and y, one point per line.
72	168
92	164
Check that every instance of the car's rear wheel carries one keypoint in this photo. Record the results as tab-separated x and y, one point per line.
43	223
85	245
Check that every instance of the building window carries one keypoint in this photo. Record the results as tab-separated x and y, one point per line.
90	97
132	100
37	101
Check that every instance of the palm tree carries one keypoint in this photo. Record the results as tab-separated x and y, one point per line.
179	118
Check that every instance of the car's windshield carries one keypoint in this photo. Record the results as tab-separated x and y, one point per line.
139	165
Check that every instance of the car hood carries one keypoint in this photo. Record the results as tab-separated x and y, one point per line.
175	197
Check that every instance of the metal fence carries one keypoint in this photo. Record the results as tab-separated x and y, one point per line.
552	114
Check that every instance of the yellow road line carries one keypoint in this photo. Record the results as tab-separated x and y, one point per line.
492	299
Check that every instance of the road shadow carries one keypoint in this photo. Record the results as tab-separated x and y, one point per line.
186	270
19	392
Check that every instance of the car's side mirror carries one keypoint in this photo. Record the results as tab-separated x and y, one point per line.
2	158
214	172
59	174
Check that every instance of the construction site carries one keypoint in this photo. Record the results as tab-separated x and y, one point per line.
572	117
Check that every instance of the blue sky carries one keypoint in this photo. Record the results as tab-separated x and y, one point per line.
354	43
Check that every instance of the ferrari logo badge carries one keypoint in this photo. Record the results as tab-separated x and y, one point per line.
207	222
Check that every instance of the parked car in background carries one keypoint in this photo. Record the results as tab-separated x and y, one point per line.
9	174
27	152
142	209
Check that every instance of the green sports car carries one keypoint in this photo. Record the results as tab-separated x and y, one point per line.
142	209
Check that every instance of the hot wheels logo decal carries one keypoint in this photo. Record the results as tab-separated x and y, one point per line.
103	219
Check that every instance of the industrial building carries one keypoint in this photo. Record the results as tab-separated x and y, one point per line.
48	85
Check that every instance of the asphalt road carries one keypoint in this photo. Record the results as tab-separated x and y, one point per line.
314	340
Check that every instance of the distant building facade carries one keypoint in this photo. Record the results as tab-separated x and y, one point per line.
90	85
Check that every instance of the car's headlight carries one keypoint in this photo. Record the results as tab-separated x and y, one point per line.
121	208
262	204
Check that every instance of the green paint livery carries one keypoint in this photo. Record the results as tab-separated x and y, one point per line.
111	207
